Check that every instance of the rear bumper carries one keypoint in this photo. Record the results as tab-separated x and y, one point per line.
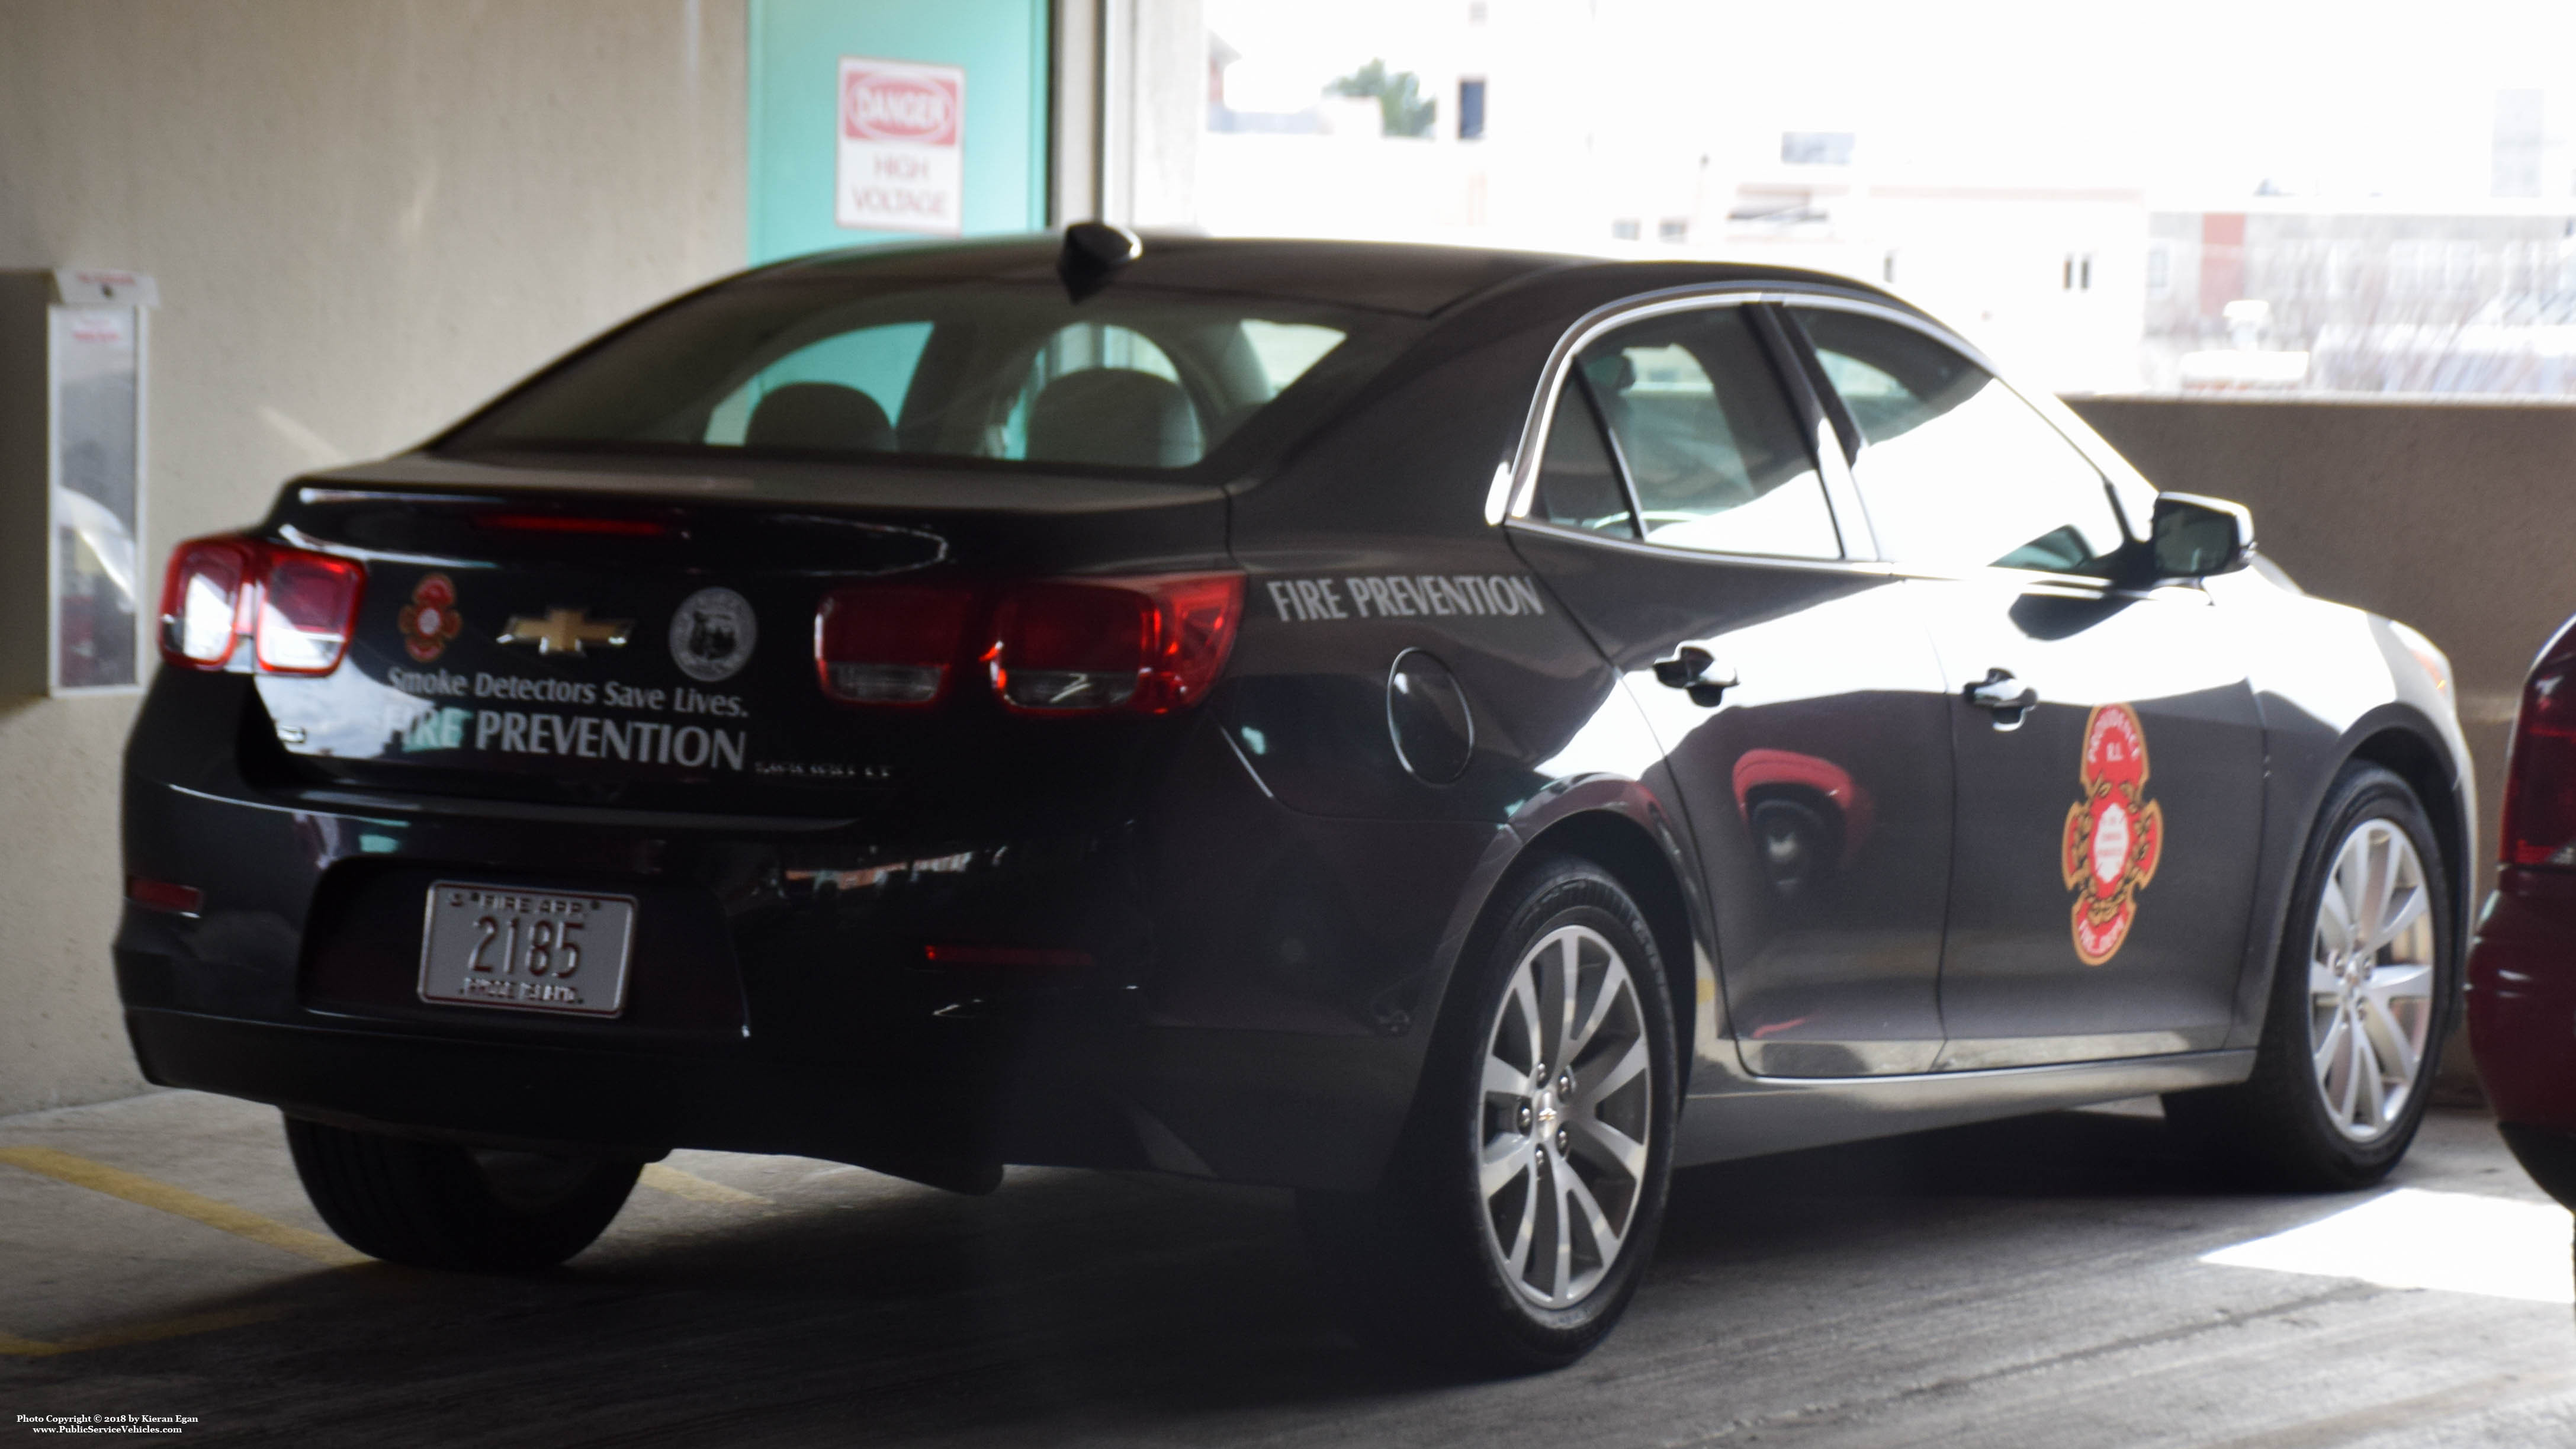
780	999
1291	1111
2522	1021
2548	1154
2522	1000
631	1102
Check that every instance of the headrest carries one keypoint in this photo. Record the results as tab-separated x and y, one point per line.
823	415
1611	375
1114	416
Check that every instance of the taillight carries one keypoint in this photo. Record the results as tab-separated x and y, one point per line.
201	600
963	955
162	895
2540	778
891	644
1144	645
308	606
573	523
297	607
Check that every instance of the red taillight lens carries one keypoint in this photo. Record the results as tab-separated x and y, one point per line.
298	607
162	895
962	955
2540	779
202	598
574	523
891	644
308	606
1146	645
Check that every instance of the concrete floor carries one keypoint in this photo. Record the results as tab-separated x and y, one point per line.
2036	1283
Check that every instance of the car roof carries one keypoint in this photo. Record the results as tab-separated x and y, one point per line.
1410	278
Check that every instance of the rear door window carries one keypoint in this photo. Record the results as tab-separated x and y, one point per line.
1578	484
1708	439
1956	471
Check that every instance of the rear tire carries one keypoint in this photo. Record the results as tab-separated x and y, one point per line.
437	1205
1523	1203
2362	995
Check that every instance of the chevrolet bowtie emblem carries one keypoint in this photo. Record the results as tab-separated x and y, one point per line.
565	631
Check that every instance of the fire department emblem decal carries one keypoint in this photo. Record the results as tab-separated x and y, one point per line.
430	619
2114	835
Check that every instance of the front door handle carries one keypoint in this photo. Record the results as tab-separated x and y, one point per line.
1696	670
2008	697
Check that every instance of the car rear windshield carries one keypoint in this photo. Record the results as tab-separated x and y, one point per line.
1000	374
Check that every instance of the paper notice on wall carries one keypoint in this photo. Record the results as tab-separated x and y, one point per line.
902	147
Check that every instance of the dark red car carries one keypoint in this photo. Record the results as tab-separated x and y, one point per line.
2522	971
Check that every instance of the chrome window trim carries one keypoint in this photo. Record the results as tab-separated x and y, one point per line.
1868	567
2020	581
2028	581
1842	487
1842	496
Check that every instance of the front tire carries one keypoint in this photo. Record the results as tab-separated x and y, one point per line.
2361	998
1525	1198
437	1205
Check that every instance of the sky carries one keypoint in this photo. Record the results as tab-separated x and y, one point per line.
2188	98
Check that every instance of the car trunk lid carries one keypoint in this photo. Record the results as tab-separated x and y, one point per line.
645	634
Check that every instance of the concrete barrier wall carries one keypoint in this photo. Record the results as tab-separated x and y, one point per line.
365	219
2459	519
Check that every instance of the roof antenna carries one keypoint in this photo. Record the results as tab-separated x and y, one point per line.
1093	253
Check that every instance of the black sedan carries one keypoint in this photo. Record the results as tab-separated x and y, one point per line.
1458	734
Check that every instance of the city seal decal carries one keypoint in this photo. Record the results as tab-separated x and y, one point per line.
2114	835
712	633
430	620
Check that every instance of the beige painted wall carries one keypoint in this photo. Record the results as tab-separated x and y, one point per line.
366	216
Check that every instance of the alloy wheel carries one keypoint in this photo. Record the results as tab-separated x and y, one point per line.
1563	1137
2371	960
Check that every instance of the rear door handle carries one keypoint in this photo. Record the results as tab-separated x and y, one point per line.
1696	670
2008	697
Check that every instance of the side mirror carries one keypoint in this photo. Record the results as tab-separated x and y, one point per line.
2196	537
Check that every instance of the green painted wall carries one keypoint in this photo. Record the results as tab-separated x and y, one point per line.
795	53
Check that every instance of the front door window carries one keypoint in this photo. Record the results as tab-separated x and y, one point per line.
1956	471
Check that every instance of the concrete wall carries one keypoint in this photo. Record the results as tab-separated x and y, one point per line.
366	216
2457	519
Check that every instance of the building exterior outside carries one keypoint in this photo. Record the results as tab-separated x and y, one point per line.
2284	293
2073	273
1558	154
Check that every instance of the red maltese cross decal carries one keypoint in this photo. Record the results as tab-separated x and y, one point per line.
430	619
2114	835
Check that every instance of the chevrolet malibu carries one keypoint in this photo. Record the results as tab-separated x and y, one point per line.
1457	734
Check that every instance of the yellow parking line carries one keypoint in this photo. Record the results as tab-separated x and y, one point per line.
664	1178
12	1346
136	1188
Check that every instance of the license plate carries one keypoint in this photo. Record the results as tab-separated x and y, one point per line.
526	950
